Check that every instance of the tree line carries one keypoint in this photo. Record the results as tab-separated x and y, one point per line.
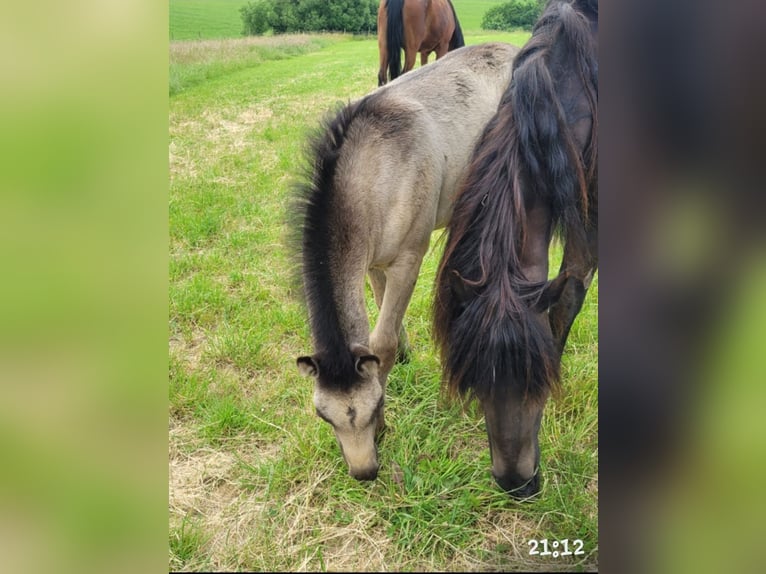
361	16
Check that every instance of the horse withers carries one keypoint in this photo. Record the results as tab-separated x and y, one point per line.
500	324
382	176
415	26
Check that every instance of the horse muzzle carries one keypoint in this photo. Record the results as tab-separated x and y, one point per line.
370	473
518	487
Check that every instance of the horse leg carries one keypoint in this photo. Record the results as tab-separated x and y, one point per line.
409	59
414	22
382	47
580	262
424	57
382	73
401	276
382	70
378	282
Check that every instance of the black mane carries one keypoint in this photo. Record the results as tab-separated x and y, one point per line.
483	320
312	205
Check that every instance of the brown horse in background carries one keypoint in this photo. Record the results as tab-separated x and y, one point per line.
423	26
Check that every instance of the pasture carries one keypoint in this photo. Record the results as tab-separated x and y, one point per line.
205	19
257	481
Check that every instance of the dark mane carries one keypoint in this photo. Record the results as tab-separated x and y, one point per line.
483	320
542	108
312	205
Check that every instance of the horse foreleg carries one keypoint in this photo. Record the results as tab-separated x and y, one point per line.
401	276
378	282
424	58
580	262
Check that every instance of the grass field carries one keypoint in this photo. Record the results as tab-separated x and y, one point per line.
210	19
470	12
257	481
205	19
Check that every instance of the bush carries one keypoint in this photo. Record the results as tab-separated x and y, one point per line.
290	16
256	17
512	15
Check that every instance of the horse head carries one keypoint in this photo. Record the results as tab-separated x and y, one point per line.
352	405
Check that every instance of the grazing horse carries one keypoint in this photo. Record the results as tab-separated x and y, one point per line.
423	26
500	324
382	176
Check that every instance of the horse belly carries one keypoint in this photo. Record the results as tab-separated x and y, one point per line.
407	221
456	161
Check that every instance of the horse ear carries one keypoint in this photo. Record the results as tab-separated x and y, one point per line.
365	362
367	365
308	366
551	292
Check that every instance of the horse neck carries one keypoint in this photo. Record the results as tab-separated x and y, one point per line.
334	283
576	51
349	299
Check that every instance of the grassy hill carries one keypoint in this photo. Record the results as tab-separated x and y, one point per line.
207	19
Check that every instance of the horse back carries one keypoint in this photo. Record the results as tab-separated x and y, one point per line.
410	143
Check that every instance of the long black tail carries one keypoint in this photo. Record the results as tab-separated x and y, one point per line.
394	37
457	40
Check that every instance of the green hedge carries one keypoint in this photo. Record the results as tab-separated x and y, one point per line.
290	16
513	15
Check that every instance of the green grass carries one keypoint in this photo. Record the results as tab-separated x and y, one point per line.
257	481
187	542
193	62
205	19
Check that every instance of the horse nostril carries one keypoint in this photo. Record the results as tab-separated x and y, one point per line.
518	488
368	474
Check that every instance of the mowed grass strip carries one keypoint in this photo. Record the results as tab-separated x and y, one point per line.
257	481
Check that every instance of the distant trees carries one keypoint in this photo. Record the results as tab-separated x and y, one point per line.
361	16
513	14
288	16
256	17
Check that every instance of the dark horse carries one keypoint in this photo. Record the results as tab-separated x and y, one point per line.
423	26
500	324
